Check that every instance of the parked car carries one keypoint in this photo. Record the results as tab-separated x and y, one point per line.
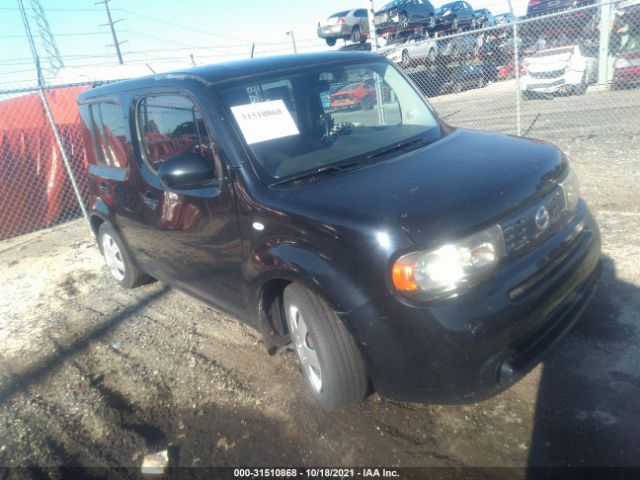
375	246
626	71
466	76
400	14
325	96
355	95
465	46
412	50
504	18
348	25
558	70
455	15
484	18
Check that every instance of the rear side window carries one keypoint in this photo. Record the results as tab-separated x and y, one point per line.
360	13
340	14
172	125
111	137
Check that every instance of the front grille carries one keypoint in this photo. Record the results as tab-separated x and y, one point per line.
551	74
521	230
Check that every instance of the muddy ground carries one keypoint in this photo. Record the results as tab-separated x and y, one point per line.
94	375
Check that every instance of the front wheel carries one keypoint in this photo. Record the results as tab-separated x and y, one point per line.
330	41
332	366
581	89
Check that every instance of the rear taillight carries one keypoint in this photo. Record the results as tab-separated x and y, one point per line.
341	20
533	3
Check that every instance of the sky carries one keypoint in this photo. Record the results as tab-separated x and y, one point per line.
165	33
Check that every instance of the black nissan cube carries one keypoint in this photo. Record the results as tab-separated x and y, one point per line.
320	199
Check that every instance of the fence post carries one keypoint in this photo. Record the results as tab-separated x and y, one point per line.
605	72
516	67
47	110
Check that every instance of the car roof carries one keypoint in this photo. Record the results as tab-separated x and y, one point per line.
220	72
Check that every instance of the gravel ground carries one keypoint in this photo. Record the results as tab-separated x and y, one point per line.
94	375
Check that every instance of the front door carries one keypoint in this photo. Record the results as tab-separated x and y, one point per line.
186	237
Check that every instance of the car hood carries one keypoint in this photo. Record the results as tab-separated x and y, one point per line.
462	182
550	61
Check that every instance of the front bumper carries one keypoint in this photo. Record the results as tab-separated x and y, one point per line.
471	347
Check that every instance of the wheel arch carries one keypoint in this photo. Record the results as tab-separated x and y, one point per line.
292	264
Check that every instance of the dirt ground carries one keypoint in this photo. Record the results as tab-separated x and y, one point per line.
94	375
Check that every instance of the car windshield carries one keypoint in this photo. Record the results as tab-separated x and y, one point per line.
299	122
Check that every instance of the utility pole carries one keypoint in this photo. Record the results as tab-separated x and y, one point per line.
293	39
516	66
111	23
373	39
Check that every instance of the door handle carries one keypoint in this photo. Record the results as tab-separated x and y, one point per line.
150	201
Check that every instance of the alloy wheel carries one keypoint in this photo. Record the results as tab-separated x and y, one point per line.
305	348
113	257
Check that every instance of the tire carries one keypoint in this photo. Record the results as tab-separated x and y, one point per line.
406	59
330	41
431	57
355	34
118	259
431	22
332	366
404	21
367	103
582	88
454	24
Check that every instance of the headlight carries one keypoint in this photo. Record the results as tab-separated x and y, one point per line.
450	268
571	189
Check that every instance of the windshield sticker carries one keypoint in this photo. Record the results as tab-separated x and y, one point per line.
264	121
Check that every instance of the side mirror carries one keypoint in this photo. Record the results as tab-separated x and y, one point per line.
185	171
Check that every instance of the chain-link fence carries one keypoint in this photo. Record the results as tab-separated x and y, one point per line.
569	76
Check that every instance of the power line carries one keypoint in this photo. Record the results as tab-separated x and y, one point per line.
177	25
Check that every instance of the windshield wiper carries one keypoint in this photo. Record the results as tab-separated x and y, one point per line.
344	167
415	143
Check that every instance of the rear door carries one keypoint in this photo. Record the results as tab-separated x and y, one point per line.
186	237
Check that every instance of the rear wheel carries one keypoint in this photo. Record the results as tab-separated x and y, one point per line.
332	366
330	41
406	59
122	268
355	34
367	103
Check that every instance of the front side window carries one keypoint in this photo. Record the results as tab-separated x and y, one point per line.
110	135
326	115
172	125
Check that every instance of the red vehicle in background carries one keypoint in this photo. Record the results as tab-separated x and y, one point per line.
355	95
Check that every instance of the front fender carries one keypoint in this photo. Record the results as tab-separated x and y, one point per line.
313	269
